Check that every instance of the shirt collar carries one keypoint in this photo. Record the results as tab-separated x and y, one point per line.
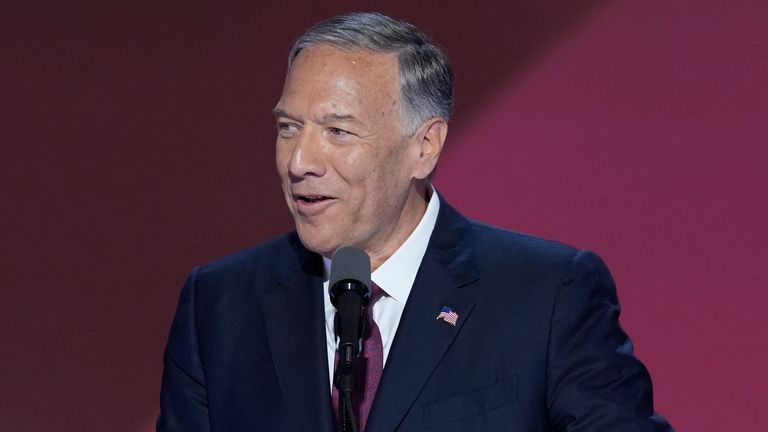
396	275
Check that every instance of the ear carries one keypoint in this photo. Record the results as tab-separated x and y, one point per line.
430	138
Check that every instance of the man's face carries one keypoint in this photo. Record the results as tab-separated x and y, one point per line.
347	171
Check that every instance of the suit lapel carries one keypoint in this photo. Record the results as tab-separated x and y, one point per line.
421	340
295	323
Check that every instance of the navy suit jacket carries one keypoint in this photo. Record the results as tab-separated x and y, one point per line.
537	345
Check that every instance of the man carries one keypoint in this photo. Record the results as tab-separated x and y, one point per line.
527	336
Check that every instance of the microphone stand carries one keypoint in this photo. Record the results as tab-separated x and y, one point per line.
345	383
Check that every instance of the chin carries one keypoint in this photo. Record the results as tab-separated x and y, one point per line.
316	243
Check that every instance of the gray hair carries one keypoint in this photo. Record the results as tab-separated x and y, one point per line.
426	76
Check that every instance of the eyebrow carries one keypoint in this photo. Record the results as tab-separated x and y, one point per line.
278	112
340	117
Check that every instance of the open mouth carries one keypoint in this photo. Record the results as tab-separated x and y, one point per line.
311	199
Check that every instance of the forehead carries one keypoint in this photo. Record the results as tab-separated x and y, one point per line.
326	77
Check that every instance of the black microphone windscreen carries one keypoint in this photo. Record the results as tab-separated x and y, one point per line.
350	262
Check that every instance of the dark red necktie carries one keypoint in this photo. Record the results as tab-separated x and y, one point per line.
368	367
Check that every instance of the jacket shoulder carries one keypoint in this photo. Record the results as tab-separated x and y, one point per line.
502	245
254	264
503	255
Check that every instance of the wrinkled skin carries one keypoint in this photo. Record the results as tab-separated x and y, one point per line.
349	174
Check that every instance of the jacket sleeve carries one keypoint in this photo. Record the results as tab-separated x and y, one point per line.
594	383
183	397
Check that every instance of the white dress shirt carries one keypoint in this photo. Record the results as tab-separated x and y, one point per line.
395	277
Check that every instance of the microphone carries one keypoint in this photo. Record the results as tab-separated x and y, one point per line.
350	292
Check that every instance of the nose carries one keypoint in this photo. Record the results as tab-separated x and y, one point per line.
307	158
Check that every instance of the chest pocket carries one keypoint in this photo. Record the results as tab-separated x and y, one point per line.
470	404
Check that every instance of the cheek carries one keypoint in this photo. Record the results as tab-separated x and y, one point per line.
398	166
282	157
354	166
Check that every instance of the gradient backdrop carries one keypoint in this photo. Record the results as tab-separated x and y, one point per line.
136	142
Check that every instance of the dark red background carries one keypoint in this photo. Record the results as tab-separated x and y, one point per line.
137	142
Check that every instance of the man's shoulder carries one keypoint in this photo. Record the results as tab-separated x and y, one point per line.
496	248
495	241
270	256
486	236
500	250
506	236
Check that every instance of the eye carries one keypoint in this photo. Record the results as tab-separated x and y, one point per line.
338	132
286	130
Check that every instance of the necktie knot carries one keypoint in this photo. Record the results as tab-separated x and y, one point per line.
376	294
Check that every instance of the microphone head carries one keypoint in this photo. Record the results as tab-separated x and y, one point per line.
350	263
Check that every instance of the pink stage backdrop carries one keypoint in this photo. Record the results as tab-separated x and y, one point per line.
137	142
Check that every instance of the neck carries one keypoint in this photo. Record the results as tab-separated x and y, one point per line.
414	210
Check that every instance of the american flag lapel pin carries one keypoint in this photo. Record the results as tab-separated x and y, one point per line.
448	315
